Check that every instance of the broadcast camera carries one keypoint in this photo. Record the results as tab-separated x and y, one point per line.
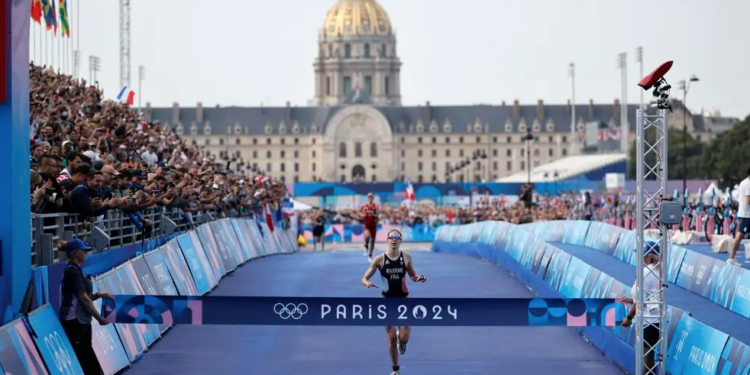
661	88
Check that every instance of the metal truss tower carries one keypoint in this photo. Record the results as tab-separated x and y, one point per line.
124	43
651	159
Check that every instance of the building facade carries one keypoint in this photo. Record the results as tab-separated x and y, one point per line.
358	130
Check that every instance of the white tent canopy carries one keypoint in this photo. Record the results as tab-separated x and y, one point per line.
299	206
712	190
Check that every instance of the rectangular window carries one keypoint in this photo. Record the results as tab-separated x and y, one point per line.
328	85
368	85
347	85
387	86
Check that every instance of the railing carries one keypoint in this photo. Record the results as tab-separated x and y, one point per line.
113	229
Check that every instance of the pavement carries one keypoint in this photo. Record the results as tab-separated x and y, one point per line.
360	247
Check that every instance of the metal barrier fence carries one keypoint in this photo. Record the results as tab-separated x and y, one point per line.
113	229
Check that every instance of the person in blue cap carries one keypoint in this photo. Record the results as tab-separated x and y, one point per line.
652	303
77	308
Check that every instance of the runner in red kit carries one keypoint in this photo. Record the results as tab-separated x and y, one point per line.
370	212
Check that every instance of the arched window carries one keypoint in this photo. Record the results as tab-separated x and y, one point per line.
383	51
374	178
373	150
358	149
342	150
347	50
367	50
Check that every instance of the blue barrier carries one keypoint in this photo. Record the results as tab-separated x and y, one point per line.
188	264
525	251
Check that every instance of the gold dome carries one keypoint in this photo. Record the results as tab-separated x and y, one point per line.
357	17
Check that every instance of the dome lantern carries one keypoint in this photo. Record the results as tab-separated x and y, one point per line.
357	18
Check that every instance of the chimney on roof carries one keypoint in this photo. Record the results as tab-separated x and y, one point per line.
516	109
429	111
591	108
175	112
199	112
540	110
288	111
147	111
570	107
503	104
616	108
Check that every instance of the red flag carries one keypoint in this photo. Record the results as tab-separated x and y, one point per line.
36	11
131	97
269	218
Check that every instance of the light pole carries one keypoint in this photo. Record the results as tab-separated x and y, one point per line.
94	67
684	85
528	138
573	138
140	81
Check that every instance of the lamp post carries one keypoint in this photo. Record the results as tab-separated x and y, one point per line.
528	138
684	85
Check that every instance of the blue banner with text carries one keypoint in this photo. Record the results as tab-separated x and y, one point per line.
311	311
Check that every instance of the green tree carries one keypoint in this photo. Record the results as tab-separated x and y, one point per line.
727	158
675	147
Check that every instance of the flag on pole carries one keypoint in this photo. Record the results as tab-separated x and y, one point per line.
126	96
269	218
64	18
288	207
50	16
409	190
36	11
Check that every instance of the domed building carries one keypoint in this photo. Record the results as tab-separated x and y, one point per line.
358	129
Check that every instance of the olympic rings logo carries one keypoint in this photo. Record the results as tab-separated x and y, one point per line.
61	356
290	310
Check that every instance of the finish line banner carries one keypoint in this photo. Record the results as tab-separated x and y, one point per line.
331	311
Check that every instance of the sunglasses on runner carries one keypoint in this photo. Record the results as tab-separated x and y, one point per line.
394	237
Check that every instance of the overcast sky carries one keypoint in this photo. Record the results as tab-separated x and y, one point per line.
248	52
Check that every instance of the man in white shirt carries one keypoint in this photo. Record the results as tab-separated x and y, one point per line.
743	213
651	304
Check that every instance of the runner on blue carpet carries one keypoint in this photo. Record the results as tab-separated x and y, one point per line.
393	265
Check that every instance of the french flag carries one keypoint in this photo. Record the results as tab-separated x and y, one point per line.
269	218
126	96
409	190
288	208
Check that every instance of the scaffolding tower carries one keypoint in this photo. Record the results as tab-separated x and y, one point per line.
124	43
651	159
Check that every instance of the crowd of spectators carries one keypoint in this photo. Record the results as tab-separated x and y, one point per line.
485	208
90	155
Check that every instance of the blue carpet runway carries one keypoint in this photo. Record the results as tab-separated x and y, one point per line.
220	350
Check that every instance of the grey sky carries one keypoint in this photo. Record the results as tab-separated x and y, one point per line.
244	52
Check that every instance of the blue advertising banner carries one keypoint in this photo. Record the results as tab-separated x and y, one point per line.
131	336
147	281
200	277
53	343
332	311
556	270
18	354
224	261
538	255
544	263
676	256
232	241
625	246
741	299
603	237
205	260
735	359
179	270
597	284
160	270
129	285
224	246
246	244
699	273
575	278
107	345
724	283
695	348
252	227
